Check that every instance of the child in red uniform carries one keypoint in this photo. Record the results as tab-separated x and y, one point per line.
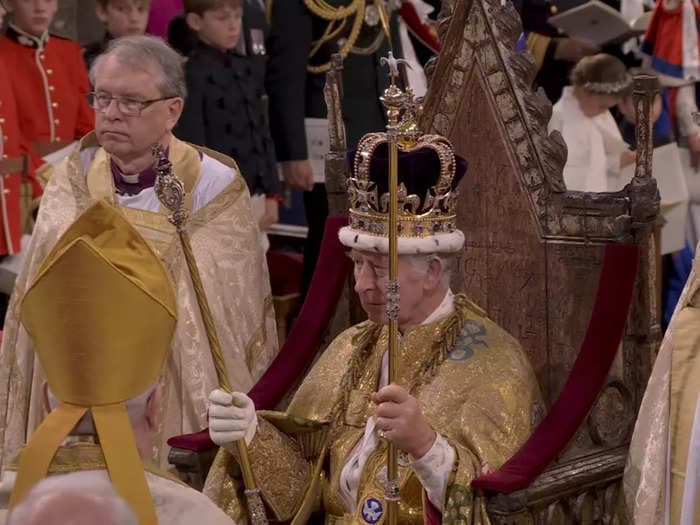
13	150
48	78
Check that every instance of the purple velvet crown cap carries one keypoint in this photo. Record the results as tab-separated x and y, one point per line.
419	170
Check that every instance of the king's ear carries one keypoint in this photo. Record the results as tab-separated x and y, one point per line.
434	273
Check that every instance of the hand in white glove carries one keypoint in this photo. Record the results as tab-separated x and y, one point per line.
231	418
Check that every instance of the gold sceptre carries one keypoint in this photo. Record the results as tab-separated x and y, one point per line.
393	99
171	193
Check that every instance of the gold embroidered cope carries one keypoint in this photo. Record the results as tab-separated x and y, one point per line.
234	273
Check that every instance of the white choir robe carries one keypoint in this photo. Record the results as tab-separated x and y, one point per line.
594	145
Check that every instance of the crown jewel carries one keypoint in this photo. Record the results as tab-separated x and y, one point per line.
428	173
418	215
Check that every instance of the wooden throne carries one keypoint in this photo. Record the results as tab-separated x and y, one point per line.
533	251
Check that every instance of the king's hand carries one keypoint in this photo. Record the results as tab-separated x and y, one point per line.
400	420
231	418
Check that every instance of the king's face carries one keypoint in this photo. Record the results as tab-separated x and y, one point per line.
371	271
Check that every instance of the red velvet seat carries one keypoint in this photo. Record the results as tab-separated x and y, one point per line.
285	272
605	330
332	271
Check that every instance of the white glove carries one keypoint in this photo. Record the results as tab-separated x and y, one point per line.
231	418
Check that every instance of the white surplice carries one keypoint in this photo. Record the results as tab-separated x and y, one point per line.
594	145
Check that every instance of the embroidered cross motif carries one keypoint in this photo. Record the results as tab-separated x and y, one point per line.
472	335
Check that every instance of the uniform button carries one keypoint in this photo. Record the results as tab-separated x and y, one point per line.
553	9
42	56
4	156
54	104
6	192
49	71
6	138
2	120
56	121
58	139
50	88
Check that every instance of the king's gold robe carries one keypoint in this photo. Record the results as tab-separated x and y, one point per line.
474	384
225	242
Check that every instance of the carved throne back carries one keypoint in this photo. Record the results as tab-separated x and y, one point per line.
533	250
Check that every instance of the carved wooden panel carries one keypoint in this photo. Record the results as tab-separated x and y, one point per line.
497	259
584	492
533	249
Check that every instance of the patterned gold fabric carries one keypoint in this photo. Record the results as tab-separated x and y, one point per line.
665	420
234	273
474	383
85	455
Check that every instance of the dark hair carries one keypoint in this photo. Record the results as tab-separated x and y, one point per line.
601	74
198	7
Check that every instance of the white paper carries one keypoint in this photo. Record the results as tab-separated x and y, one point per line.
670	177
593	22
318	144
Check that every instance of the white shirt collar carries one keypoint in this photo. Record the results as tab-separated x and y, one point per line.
445	308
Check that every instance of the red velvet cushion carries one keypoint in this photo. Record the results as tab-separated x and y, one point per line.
304	338
302	342
198	442
285	272
605	330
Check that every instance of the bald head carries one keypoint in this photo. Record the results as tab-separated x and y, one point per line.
79	498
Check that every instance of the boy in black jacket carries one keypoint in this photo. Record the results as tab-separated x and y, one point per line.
120	18
224	110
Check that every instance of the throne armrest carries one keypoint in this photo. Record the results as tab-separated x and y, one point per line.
192	456
195	442
605	330
585	490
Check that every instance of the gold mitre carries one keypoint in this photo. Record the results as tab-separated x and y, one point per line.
428	175
101	312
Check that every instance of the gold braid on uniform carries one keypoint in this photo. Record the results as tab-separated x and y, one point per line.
330	13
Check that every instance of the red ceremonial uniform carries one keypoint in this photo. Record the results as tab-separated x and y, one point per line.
50	85
13	148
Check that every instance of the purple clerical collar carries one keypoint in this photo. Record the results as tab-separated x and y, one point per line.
132	184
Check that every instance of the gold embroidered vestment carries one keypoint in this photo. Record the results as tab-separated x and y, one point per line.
475	386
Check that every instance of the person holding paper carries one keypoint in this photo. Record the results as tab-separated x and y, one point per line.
596	148
556	52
